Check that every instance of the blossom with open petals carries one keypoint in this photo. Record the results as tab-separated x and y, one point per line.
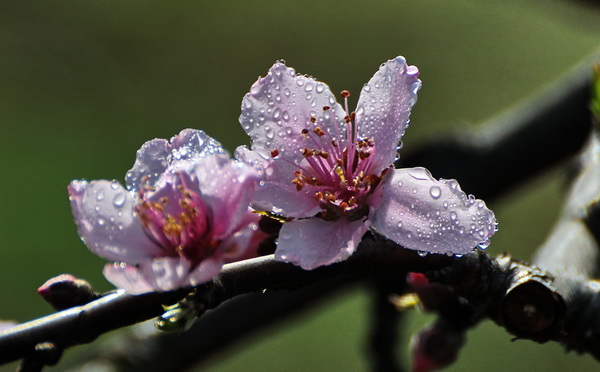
331	169
184	214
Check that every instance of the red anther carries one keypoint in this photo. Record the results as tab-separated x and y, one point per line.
323	154
319	131
319	195
345	94
352	115
307	152
274	153
313	119
325	108
304	131
299	184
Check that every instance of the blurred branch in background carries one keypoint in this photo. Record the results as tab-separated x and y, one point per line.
506	152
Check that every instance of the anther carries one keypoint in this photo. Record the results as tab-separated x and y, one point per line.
274	153
313	119
299	184
345	94
319	131
325	108
307	152
323	154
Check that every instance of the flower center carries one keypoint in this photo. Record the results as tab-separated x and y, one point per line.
336	165
175	217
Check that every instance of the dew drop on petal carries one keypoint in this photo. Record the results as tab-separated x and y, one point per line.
453	216
484	244
422	253
419	174
100	195
435	192
101	221
119	200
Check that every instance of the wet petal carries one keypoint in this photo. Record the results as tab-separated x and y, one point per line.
276	193
166	273
227	189
384	106
314	242
104	213
280	105
126	277
155	156
421	213
208	269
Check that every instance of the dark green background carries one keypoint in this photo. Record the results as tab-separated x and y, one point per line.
83	84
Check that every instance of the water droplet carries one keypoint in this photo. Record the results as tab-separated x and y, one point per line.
309	86
100	195
119	200
419	174
453	216
399	224
300	82
367	88
101	221
422	253
320	88
435	192
400	183
114	184
445	204
484	244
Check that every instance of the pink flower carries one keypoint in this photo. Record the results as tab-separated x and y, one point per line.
331	169
184	214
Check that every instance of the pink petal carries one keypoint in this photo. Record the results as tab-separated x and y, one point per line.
166	273
104	213
314	242
276	193
7	325
208	269
421	213
126	277
155	156
384	106
280	105
227	189
160	274
150	163
243	244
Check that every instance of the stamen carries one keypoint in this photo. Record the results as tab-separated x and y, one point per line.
274	153
319	131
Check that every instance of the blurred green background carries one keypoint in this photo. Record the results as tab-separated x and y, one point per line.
84	84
